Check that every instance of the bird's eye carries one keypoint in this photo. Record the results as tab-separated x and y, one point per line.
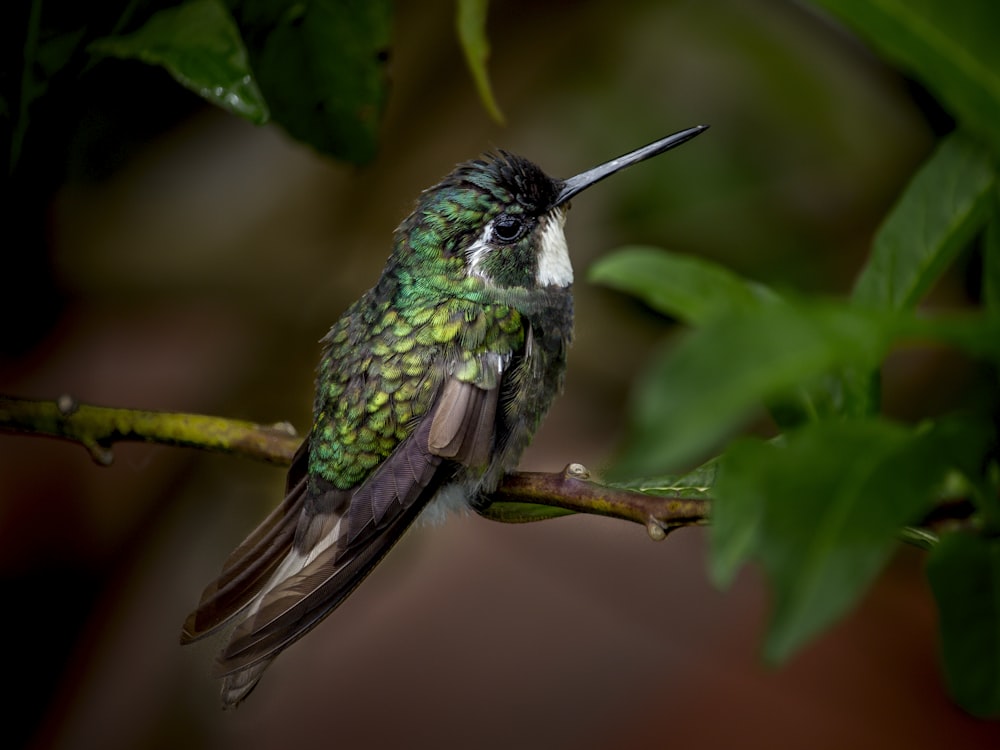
508	228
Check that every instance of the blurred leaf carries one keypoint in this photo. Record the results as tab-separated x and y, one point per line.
30	87
941	209
976	335
696	291
991	263
736	520
964	573
56	50
200	46
822	512
944	205
951	47
970	441
709	383
695	394
691	289
321	67
470	22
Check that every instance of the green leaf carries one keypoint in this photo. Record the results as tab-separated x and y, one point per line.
691	289
944	205
513	512
696	291
200	46
991	263
976	335
736	520
696	484
30	87
821	512
470	23
708	385
951	47
321	66
964	573
970	440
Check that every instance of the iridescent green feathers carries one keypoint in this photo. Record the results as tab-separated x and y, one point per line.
376	380
430	388
428	318
436	378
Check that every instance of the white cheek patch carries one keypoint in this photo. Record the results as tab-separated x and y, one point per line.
476	253
554	267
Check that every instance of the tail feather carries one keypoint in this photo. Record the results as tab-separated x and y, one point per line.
238	685
250	566
318	546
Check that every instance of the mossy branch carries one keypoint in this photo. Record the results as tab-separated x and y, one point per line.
97	428
523	496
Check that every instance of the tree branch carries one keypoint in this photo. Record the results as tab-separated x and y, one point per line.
96	428
523	496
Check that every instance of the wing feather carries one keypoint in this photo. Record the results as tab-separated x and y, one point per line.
321	543
251	564
308	586
463	425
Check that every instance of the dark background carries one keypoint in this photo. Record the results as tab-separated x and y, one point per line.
192	261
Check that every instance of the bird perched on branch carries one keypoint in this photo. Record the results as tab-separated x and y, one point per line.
429	389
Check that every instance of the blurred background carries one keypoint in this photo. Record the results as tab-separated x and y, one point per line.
192	261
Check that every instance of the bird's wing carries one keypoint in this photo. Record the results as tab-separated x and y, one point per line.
340	535
249	567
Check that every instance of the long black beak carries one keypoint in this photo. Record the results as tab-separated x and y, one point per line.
570	187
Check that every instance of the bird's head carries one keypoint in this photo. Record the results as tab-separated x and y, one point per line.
500	218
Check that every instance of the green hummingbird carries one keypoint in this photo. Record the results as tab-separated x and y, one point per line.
429	389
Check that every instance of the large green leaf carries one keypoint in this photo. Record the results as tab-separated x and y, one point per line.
944	205
470	23
200	46
697	291
704	388
821	512
691	289
695	394
964	572
950	46
737	519
321	66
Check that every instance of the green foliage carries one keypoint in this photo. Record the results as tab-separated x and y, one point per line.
317	68
822	506
470	23
822	510
321	65
964	571
693	290
951	195
695	484
200	46
950	47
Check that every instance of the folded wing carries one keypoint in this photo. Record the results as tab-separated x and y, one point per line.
321	542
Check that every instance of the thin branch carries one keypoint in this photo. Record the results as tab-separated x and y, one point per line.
96	428
523	496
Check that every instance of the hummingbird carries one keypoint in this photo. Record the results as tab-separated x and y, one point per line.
430	387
